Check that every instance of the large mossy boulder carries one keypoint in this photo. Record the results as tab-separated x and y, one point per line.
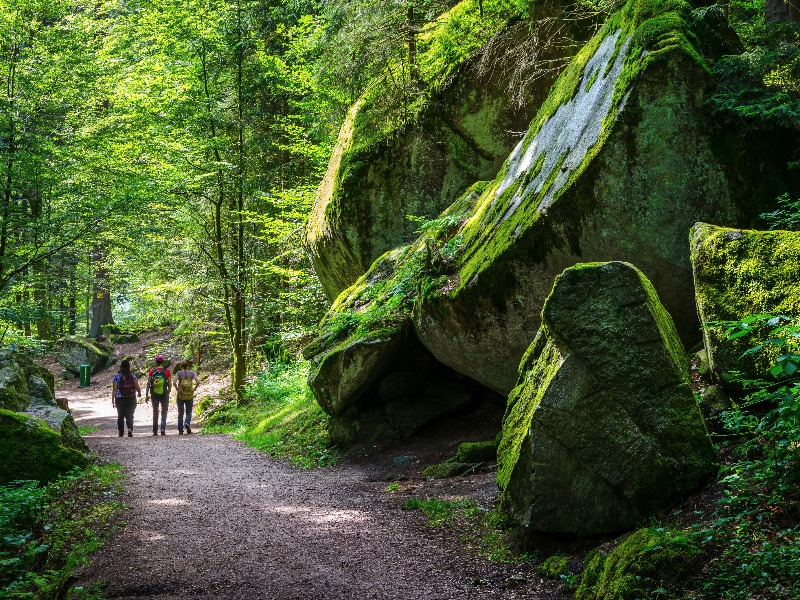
739	273
30	449
23	383
77	350
621	160
387	166
602	429
27	388
647	560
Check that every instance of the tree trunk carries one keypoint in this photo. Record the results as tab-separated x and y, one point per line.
411	37
776	11
101	295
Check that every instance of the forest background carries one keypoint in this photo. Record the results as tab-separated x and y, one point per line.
158	159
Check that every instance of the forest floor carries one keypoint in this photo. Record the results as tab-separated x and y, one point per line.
209	517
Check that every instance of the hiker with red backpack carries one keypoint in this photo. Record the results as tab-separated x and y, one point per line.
158	380
125	388
186	383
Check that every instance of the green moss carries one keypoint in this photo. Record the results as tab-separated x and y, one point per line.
650	559
477	452
31	450
739	273
554	567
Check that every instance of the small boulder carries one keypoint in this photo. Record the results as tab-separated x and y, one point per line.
23	382
738	273
477	452
648	558
77	350
602	429
32	450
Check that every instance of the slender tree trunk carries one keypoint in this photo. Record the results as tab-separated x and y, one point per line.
781	10
411	38
101	295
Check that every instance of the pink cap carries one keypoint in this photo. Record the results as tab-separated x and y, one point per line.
160	358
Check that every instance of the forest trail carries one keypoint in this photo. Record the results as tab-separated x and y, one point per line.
209	517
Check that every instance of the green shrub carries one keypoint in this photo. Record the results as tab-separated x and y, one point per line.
47	532
279	417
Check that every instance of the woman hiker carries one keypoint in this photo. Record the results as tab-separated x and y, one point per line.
125	388
185	383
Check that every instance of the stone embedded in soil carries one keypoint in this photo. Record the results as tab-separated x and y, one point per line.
602	429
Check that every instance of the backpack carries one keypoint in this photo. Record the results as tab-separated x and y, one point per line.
126	385
185	386
158	382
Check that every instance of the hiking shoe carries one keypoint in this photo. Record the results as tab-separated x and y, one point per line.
188	429
155	433
162	433
130	433
121	434
180	433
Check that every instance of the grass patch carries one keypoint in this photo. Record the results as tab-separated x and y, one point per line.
485	532
279	417
87	429
47	532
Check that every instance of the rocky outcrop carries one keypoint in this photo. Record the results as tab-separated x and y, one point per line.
462	134
30	449
737	274
620	161
39	439
77	350
602	429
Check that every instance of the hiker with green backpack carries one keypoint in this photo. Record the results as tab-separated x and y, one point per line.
158	380
185	383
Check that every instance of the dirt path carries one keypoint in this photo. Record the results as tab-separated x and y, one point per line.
211	518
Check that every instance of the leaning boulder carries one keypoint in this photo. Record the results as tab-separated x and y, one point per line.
602	429
77	350
621	160
739	273
30	449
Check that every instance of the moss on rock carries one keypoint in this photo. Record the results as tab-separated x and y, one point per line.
647	560
31	450
554	567
77	350
739	273
477	451
618	164
602	428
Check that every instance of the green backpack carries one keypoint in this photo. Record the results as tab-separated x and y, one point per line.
158	382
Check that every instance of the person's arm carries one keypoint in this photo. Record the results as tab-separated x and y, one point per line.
114	395
196	380
138	389
147	389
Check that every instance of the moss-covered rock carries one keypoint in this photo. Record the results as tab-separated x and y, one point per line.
23	382
477	451
77	350
647	560
602	428
554	567
618	164
739	273
31	450
461	133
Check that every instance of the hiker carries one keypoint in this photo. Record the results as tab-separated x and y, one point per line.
125	388
185	383
158	380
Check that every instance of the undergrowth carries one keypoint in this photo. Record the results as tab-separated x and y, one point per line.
485	532
279	416
48	532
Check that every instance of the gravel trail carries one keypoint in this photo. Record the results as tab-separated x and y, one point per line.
211	518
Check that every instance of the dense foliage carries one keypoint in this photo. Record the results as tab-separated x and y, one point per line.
47	532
